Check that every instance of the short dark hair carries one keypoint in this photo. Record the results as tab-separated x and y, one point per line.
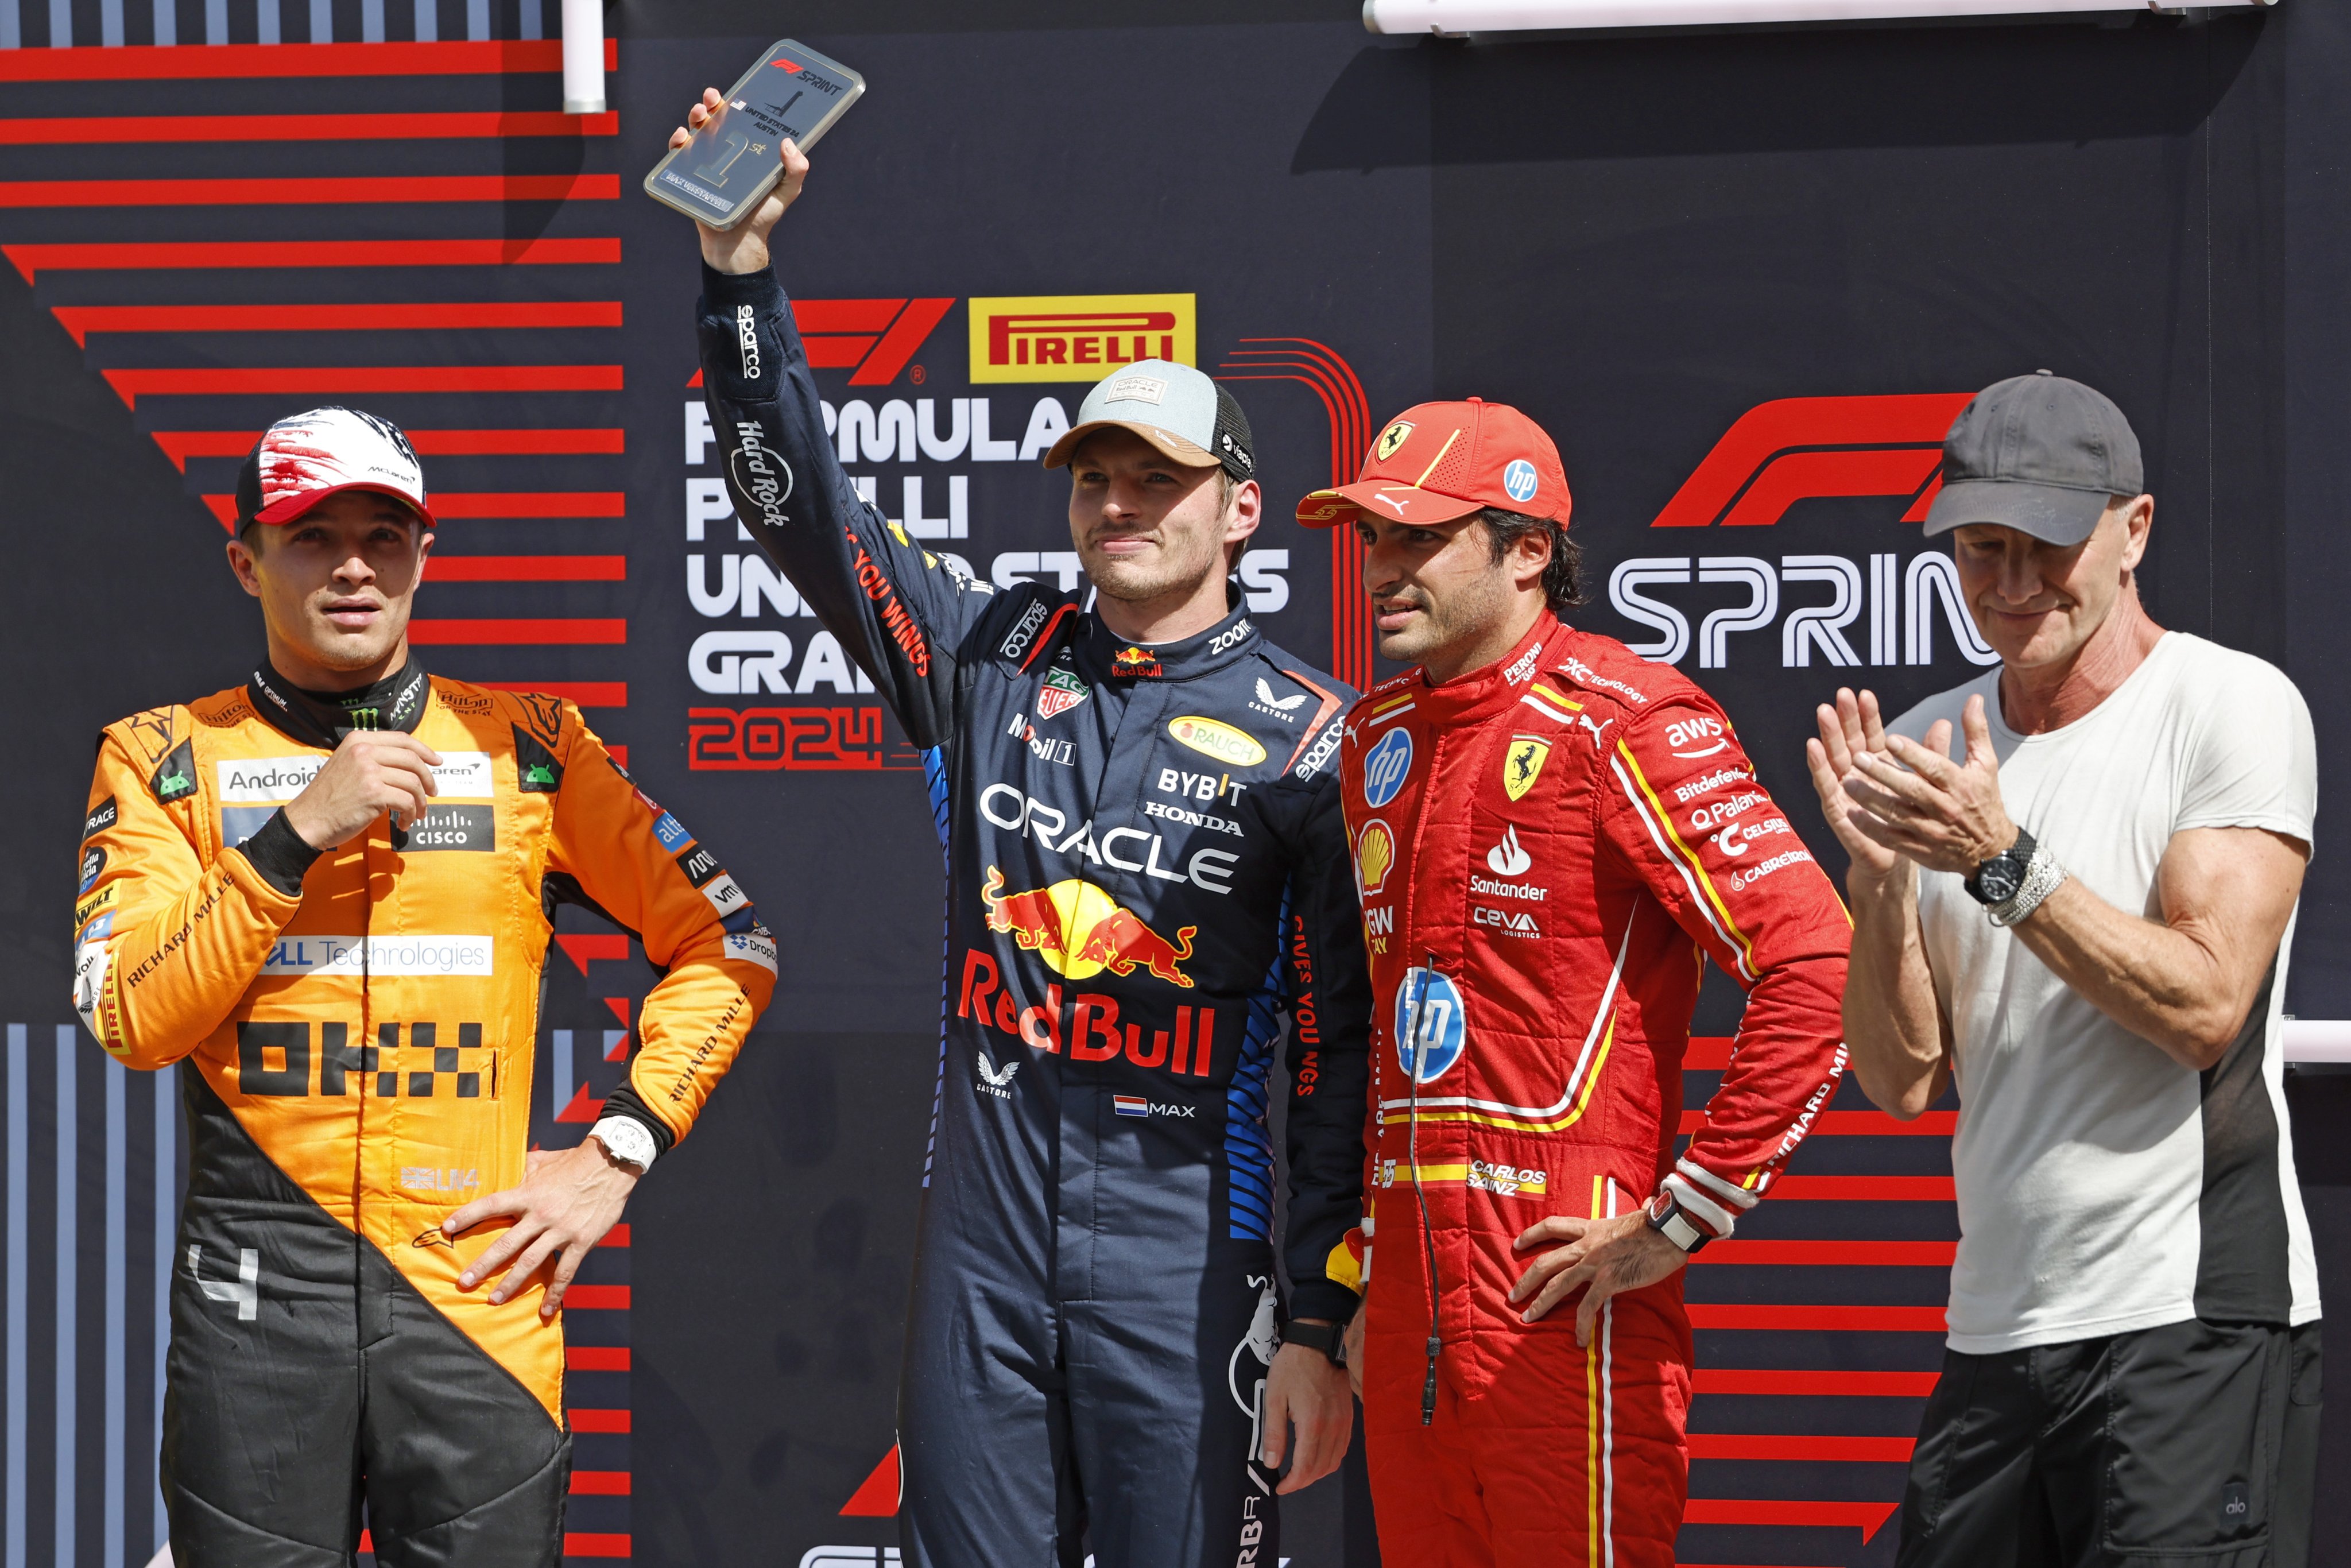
1562	583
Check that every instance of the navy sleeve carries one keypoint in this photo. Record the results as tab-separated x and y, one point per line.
902	613
1329	1027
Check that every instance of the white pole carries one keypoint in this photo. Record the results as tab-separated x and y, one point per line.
583	57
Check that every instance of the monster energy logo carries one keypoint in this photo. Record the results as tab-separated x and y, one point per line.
365	717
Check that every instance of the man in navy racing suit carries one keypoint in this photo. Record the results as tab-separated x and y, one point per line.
1146	867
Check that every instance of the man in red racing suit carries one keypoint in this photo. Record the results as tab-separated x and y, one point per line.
1551	836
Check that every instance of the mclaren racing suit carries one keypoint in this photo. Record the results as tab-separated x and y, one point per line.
1548	850
1146	867
360	1024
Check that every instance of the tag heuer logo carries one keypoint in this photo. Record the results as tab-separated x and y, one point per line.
1391	438
1062	692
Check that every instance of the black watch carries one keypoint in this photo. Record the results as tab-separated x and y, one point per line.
2002	878
1667	1219
1331	1338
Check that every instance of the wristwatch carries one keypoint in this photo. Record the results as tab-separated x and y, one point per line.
1997	880
1331	1338
626	1139
1667	1219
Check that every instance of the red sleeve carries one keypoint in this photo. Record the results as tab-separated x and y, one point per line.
1683	808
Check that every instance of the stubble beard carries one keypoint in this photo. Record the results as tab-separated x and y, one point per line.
1137	582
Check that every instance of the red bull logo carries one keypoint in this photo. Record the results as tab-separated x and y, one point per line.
1095	1031
1079	931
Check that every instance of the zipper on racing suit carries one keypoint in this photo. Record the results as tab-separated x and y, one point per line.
1419	1193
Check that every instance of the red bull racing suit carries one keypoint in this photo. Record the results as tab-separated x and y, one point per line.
1146	869
1550	849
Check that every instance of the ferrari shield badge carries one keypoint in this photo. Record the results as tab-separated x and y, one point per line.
1522	764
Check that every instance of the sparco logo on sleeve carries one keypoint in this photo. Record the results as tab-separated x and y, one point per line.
747	338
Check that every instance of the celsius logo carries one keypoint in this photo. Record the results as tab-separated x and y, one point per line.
1507	858
1384	767
747	338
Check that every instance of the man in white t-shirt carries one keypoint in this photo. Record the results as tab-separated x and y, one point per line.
2079	912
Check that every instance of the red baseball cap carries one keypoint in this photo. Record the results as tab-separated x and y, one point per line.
1440	461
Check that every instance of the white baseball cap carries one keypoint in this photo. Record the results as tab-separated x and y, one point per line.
300	460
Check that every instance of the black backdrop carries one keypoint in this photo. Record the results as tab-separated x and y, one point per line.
1740	276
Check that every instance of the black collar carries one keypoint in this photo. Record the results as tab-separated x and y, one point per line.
1229	640
323	718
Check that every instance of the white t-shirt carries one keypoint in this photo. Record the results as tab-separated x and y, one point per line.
2104	1187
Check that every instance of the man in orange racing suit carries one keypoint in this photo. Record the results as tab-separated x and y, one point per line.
332	888
1551	837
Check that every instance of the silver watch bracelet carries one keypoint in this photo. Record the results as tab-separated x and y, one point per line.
2041	876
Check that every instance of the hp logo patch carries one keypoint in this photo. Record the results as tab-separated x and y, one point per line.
1429	1024
1385	767
1519	479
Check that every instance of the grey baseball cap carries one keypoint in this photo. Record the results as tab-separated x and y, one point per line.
2038	453
1187	416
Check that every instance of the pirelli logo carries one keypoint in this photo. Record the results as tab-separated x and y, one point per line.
1078	337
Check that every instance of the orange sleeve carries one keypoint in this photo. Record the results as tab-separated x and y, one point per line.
164	946
631	860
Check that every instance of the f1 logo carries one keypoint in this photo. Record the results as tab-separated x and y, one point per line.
1791	449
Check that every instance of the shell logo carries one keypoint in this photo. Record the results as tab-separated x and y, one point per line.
1374	856
1214	737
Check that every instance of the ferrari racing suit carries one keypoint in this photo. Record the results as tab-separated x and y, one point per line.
360	1025
1146	867
1548	850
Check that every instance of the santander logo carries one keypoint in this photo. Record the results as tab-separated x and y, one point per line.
1507	858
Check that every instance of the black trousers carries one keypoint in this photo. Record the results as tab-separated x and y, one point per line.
2194	1445
307	1376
